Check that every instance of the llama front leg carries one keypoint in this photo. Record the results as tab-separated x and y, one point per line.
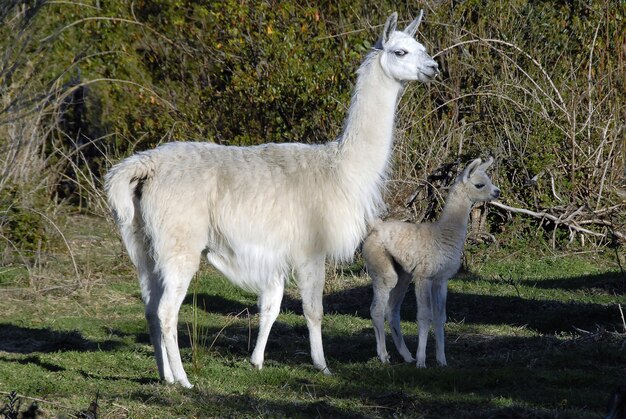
310	277
396	297
269	307
423	292
440	293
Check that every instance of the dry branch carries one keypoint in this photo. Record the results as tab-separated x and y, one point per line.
565	220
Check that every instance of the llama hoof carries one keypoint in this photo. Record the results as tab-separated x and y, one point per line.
421	364
185	383
442	363
385	359
168	377
408	359
256	362
326	371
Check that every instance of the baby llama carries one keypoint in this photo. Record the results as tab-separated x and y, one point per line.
397	253
258	213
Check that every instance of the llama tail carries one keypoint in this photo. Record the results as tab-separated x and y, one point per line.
122	186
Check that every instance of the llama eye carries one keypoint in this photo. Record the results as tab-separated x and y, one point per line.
480	185
400	53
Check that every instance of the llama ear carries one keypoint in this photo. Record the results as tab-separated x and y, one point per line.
485	165
470	169
390	27
411	30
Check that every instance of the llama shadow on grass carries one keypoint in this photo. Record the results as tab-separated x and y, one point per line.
611	283
244	405
544	316
138	380
286	342
24	340
34	360
548	317
30	342
333	303
219	305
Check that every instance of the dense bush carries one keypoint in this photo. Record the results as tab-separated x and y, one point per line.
540	85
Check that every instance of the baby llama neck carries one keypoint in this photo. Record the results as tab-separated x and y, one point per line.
452	222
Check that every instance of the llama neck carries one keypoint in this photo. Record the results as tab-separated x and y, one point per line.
452	222
362	157
365	145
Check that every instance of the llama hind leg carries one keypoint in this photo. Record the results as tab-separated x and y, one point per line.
176	276
156	335
151	294
384	279
396	297
310	277
269	306
440	293
423	292
377	312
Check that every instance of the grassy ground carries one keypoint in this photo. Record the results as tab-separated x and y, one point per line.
528	336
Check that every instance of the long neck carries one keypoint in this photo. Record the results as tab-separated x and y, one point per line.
365	146
454	218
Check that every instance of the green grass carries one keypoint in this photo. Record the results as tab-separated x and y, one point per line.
532	336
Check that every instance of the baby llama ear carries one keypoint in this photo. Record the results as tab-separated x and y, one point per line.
390	27
470	169
486	164
411	30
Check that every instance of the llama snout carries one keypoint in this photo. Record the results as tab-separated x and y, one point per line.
495	194
430	69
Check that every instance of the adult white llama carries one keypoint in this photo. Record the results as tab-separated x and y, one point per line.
397	253
257	212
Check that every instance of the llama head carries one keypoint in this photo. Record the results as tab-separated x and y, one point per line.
476	183
402	57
